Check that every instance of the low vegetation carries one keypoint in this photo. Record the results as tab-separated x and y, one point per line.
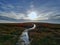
48	34
9	34
43	34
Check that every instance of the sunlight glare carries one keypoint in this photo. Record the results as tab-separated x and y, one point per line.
32	15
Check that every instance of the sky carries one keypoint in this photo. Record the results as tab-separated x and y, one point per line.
16	11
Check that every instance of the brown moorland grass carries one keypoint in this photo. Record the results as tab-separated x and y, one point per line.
43	34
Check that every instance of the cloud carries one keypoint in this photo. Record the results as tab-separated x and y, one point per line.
13	15
5	21
7	7
18	11
7	18
45	15
55	17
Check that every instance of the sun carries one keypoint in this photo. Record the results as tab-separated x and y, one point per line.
32	15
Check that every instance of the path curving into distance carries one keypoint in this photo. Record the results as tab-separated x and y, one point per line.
24	37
